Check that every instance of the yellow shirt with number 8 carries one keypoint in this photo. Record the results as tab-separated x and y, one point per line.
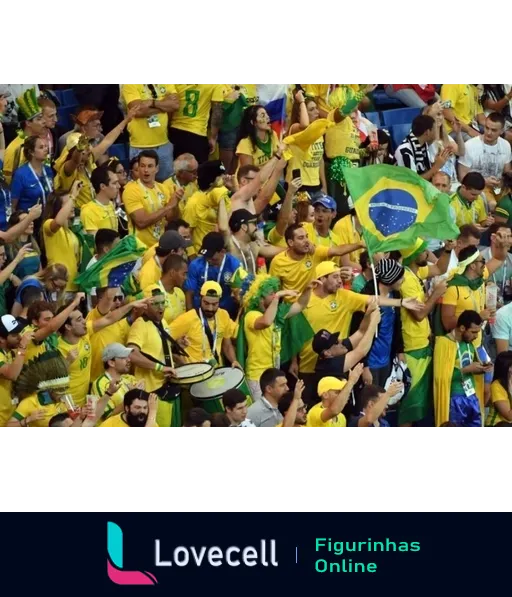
195	105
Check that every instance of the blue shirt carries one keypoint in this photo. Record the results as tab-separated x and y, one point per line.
5	201
196	278
28	188
380	353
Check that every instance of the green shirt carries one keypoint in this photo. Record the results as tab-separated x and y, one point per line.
467	353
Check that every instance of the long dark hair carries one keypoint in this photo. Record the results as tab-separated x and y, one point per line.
502	368
16	245
247	126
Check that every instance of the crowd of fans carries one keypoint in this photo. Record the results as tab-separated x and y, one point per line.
256	303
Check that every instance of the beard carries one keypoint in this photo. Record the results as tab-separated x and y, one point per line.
136	420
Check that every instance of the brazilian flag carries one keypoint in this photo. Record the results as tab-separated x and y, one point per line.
114	268
395	207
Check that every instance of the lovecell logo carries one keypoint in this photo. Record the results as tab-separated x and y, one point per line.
182	556
116	573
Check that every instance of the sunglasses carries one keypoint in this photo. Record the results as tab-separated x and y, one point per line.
119	298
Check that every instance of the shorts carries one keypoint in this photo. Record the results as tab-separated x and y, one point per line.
484	357
227	140
186	142
465	411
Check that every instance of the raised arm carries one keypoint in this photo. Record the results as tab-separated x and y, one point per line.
379	407
59	320
6	273
118	314
291	414
16	231
286	209
111	137
341	400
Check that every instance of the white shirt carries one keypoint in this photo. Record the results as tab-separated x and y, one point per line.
92	292
488	160
502	329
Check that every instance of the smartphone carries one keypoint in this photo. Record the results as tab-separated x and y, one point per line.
295	173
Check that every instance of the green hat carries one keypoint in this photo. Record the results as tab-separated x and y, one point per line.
28	104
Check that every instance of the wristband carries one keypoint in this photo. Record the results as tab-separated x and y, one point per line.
108	394
278	157
159	367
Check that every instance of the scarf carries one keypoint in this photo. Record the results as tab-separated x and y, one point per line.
461	280
265	146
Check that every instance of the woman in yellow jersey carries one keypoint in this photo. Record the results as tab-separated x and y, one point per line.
79	158
501	391
312	170
61	244
257	141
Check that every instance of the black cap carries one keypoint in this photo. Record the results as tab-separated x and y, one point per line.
213	243
171	241
239	217
208	172
324	340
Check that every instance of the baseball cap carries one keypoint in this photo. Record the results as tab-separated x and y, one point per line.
5	91
213	289
208	172
323	340
326	201
326	268
10	325
328	384
172	240
213	242
115	351
239	217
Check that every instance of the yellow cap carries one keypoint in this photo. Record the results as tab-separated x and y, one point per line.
148	291
326	268
330	383
211	289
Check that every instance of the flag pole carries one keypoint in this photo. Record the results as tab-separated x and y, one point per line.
376	293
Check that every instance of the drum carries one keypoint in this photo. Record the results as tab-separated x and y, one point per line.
193	373
208	394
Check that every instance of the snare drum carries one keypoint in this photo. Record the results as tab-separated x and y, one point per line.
208	394
193	373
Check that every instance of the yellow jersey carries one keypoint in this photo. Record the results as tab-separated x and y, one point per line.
498	394
264	347
296	275
189	324
203	209
259	157
309	167
329	241
150	272
416	334
63	182
117	332
275	239
333	313
115	421
94	215
250	92
465	299
7	402
35	402
464	100
195	106
150	131
173	185
34	350
347	233
138	196
80	368
342	140
315	418
144	335
63	247
13	158
466	212
100	385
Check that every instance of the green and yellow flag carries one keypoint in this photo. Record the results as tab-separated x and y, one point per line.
395	206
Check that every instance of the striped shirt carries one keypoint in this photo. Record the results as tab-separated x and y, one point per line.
412	155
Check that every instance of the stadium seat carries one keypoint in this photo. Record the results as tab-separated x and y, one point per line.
119	151
398	133
58	94
68	98
64	113
373	117
382	101
404	116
